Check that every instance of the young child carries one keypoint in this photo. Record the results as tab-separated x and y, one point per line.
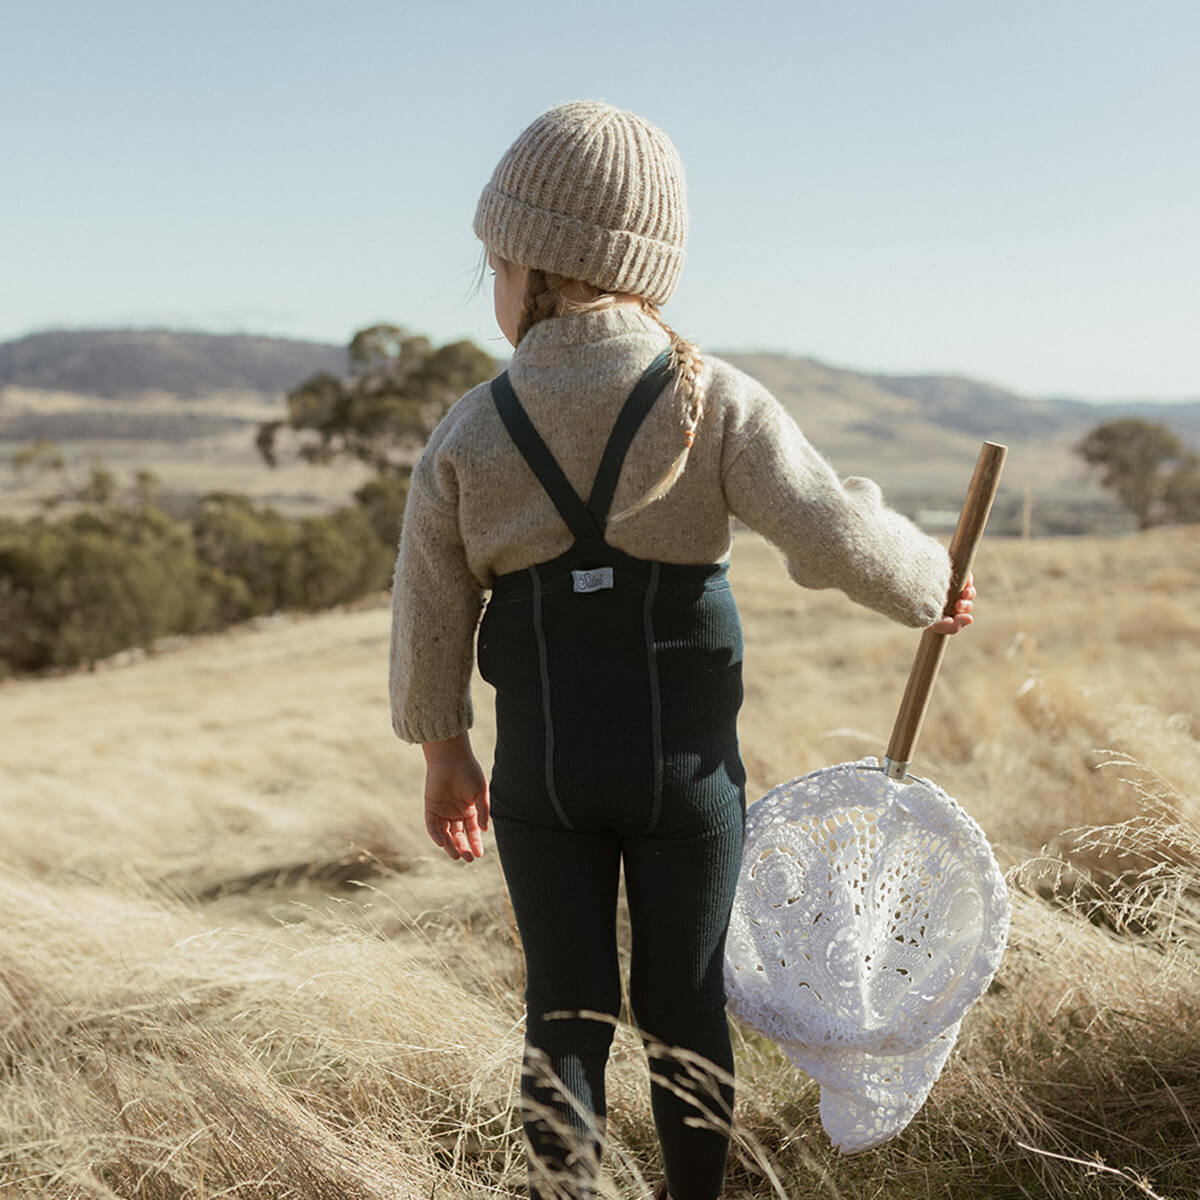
590	488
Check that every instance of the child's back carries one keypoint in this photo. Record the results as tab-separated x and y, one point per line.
593	497
749	461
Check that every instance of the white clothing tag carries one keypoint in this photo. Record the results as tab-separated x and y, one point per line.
595	580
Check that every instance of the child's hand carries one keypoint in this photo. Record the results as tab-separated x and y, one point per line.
456	797
962	610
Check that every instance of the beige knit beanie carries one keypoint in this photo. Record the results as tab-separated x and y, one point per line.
594	193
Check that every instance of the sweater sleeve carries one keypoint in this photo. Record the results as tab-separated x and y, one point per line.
436	603
832	532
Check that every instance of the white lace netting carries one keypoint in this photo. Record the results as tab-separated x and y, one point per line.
870	915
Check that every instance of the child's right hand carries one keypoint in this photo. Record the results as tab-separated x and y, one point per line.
962	610
456	797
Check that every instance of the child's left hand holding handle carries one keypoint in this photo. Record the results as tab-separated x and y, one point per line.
456	797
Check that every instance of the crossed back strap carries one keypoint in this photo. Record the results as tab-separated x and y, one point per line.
585	521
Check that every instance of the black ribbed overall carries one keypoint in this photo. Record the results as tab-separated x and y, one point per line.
618	682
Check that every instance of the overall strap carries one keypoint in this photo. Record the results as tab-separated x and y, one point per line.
641	400
542	463
585	521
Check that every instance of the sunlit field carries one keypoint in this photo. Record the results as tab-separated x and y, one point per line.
231	964
193	446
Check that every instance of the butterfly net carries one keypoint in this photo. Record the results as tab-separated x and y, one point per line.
870	915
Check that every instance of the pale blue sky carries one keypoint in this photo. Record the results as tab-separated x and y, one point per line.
1007	189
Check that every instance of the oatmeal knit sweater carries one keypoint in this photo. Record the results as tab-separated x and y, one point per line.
476	511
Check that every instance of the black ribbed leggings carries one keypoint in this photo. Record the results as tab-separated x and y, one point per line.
616	745
563	884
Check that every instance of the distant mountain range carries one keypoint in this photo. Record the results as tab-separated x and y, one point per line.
904	427
120	362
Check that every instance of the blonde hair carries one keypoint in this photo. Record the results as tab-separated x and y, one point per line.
548	295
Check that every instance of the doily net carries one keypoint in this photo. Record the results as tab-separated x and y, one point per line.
870	915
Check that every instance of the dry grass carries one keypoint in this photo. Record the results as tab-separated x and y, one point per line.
230	966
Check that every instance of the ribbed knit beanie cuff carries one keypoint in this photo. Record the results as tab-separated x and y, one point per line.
594	193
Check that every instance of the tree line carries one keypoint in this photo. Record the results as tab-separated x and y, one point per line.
107	566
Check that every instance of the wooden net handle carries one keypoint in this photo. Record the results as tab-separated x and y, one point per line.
928	661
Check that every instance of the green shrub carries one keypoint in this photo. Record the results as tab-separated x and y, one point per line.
257	546
341	558
80	589
383	499
122	572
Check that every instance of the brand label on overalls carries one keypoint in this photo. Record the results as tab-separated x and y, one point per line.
595	580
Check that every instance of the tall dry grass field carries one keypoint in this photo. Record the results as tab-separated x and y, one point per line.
230	964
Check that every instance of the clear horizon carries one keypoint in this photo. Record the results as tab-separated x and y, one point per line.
943	189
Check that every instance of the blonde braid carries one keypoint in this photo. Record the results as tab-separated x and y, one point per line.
545	297
688	365
539	302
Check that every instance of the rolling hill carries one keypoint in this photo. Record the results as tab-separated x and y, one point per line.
829	401
123	362
916	434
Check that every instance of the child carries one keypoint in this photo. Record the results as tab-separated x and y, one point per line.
590	488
